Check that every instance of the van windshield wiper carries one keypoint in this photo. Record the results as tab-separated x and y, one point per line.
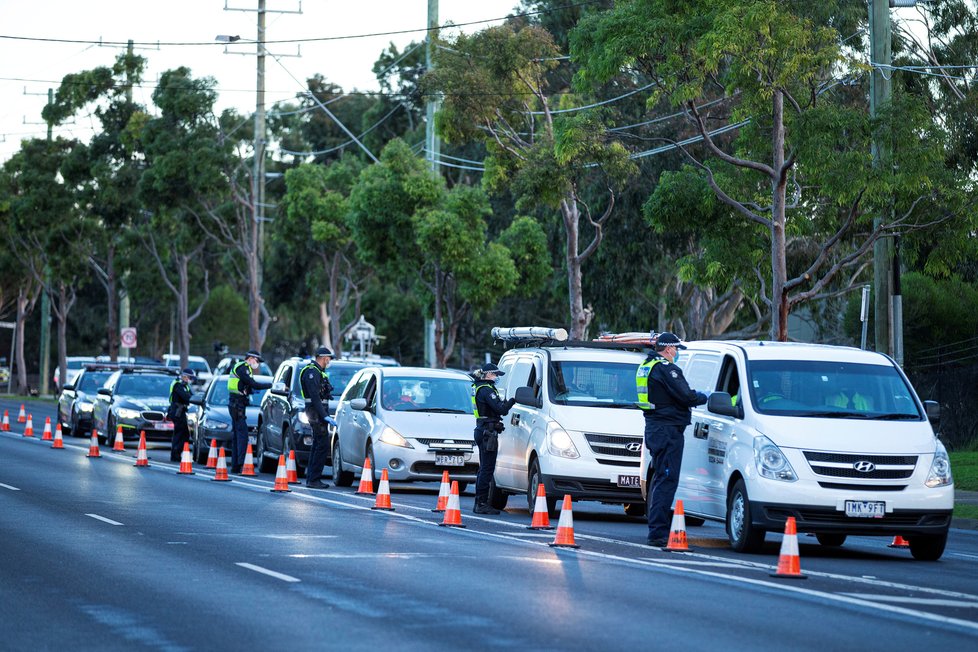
835	414
439	410
897	416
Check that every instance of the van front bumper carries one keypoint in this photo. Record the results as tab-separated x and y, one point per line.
827	520
597	489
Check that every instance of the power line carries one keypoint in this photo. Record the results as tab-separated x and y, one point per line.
347	143
591	106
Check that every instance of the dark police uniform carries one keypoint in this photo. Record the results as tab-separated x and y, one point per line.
489	410
317	391
241	385
666	406
177	413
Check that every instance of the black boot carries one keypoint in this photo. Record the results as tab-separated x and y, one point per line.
482	506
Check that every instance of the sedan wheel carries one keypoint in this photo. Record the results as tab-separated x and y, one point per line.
373	466
263	463
341	478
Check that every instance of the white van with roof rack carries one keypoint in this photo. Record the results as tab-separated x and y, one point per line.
575	426
834	436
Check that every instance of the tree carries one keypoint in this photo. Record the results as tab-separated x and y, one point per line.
496	90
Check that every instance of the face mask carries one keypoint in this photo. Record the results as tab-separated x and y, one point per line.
675	360
253	365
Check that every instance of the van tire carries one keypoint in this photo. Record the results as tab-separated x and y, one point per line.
743	536
535	478
928	547
831	540
497	497
636	509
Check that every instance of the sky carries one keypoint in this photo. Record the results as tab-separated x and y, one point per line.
30	65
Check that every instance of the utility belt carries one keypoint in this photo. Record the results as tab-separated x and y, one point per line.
490	432
239	399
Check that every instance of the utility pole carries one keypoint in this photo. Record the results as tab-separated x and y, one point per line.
124	351
45	365
432	144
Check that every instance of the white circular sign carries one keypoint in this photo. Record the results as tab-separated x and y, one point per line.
128	338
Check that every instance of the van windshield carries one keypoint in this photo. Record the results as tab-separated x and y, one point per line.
593	384
840	390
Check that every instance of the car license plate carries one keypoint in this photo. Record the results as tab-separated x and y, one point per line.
865	509
628	481
163	425
449	460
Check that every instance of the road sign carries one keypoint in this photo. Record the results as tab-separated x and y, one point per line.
127	338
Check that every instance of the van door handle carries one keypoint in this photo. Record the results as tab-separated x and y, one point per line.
701	431
515	420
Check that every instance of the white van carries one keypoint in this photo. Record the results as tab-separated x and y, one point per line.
575	426
834	436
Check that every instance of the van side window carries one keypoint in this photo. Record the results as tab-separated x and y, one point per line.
701	371
730	380
536	378
520	376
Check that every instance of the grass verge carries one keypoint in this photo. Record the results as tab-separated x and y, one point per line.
964	466
965	511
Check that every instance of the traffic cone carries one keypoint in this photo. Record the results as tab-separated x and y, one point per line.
565	527
789	563
290	469
383	494
541	517
120	442
366	479
443	491
899	542
186	460
677	533
58	440
249	464
5	424
141	459
22	417
29	428
453	511
93	447
281	479
46	436
221	474
212	455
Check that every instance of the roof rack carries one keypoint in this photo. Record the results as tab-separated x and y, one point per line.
101	366
148	369
533	336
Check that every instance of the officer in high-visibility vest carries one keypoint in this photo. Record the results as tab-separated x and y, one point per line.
489	411
180	394
317	391
665	398
241	385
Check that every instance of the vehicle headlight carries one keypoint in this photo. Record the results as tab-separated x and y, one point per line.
126	413
771	462
392	437
303	418
210	424
560	443
85	406
940	469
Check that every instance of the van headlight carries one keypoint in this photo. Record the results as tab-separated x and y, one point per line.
559	442
771	462
940	469
392	437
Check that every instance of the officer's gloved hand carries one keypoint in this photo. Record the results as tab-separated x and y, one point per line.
330	420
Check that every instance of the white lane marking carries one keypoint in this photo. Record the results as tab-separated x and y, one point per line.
7	486
690	562
962	555
380	555
919	601
265	571
103	519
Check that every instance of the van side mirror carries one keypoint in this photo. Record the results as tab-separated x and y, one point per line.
359	404
525	396
933	410
721	403
279	389
68	387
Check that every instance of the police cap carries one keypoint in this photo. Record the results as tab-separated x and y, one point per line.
254	354
190	373
323	350
490	368
669	339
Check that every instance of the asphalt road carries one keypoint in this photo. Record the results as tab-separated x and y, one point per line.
99	554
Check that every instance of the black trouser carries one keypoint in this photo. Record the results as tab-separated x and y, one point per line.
181	435
320	448
239	433
487	461
665	444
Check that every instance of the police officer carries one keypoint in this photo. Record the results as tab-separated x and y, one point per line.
489	410
665	398
241	385
317	391
180	394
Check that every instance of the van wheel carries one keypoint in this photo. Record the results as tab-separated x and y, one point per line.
535	478
831	540
497	497
743	536
928	547
636	509
341	478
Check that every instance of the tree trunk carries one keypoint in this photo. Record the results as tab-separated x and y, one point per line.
779	269
326	324
580	318
61	307
335	316
439	320
26	298
183	311
111	316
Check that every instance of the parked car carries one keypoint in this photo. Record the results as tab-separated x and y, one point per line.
370	359
834	436
77	399
200	366
135	398
282	422
210	419
224	366
414	422
74	364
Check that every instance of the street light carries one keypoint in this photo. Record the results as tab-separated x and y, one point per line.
224	38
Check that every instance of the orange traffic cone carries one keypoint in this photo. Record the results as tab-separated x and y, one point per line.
46	436
58	440
366	479
141	459
290	469
565	527
29	428
453	511
212	455
443	490
22	417
120	442
186	460
249	463
383	494
541	517
93	447
899	542
221	474
5	424
677	533
281	479
789	563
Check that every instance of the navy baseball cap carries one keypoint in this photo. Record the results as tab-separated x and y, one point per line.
254	354
490	368
669	339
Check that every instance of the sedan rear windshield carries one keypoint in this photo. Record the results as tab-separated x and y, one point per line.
144	386
593	384
420	394
92	380
840	390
